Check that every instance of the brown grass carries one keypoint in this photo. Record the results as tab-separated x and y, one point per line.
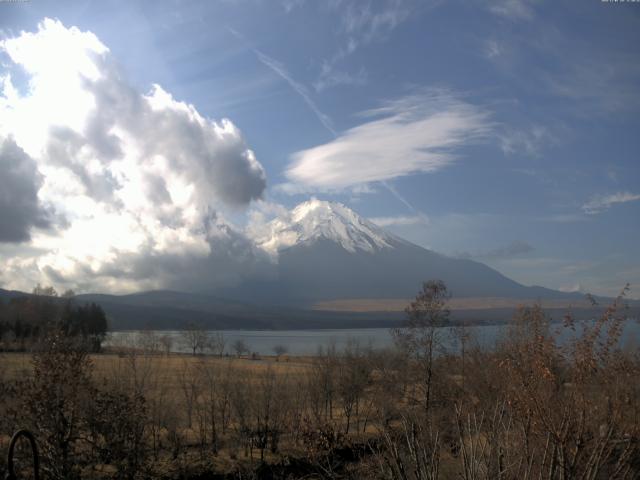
471	303
15	365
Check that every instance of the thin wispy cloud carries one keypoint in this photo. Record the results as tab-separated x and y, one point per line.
492	49
330	77
563	218
365	23
530	140
600	203
297	87
568	72
279	69
513	9
361	23
400	220
406	202
290	5
417	133
591	89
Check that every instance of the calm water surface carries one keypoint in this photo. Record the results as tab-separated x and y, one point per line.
307	342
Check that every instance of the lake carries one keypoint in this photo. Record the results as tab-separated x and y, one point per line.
307	342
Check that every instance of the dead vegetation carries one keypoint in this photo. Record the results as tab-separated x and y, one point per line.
531	408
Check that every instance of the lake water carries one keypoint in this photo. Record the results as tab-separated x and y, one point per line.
307	342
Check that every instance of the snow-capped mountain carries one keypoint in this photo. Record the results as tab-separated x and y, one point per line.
315	219
326	251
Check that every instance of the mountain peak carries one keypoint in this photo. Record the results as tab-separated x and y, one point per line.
316	219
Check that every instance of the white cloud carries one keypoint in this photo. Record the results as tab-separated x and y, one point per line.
260	217
361	23
138	178
418	133
513	9
574	288
600	203
290	5
330	77
400	220
367	21
493	49
529	141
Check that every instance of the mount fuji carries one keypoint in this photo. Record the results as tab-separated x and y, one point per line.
325	251
331	268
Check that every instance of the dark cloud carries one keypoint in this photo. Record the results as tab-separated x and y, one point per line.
64	149
20	181
156	189
233	258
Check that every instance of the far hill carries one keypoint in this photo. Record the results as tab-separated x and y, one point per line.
169	310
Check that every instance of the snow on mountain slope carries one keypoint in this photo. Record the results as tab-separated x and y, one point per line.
325	251
316	219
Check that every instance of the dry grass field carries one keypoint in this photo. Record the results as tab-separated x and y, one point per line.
16	364
529	408
480	303
174	387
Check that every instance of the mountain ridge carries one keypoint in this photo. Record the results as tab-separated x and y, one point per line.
326	251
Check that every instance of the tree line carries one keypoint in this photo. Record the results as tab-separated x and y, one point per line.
26	320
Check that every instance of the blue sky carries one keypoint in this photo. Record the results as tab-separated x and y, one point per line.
504	131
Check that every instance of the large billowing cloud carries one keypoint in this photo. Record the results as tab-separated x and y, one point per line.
20	209
419	133
135	181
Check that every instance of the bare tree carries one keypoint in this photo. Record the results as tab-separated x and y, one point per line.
194	337
41	291
321	384
216	343
56	398
116	431
280	350
240	347
353	377
413	453
420	336
189	383
167	342
148	342
210	408
462	336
